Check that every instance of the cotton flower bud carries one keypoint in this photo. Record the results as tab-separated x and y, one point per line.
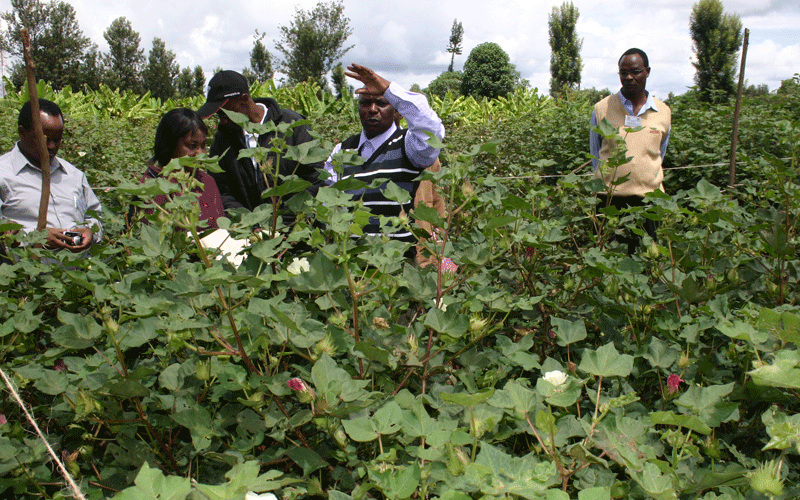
467	190
340	438
380	323
338	319
477	324
454	466
767	479
304	393
652	251
684	361
326	346
413	344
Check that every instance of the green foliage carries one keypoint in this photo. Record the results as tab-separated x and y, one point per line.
313	41
716	38
544	367
449	81
488	72
161	71
125	60
58	46
260	60
565	48
454	47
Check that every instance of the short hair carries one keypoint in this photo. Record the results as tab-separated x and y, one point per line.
175	124
25	119
635	51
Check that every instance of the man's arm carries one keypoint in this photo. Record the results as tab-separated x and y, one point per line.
412	106
665	143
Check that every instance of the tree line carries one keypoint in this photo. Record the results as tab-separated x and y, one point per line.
64	56
315	39
716	38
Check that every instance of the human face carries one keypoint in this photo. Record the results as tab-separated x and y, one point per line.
190	144
633	75
376	114
237	104
53	128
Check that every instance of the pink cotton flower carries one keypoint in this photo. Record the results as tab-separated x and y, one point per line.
674	383
297	384
304	393
3	419
448	266
60	366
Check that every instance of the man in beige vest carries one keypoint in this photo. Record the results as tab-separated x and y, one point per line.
630	108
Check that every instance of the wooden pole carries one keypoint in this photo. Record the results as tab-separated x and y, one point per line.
735	133
44	155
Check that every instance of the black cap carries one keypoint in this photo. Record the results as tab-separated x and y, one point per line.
223	86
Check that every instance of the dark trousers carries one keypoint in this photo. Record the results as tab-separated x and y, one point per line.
631	239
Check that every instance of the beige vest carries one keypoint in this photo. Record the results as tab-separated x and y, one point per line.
644	146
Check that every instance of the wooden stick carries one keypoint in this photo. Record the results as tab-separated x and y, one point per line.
44	155
734	134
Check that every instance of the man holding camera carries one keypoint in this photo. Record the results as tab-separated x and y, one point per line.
72	221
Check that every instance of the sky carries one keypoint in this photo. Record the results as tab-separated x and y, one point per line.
405	41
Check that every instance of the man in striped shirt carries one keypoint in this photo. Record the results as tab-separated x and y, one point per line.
390	153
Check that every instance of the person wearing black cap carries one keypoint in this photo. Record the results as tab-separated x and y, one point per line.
242	182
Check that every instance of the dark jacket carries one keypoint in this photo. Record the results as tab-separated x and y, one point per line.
240	185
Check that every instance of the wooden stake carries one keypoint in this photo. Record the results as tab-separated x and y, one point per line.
44	155
735	133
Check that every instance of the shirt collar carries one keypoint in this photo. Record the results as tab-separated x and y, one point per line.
648	104
20	161
378	139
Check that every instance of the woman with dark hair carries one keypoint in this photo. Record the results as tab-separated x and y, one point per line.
180	133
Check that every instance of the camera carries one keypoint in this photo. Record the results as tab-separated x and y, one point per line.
77	238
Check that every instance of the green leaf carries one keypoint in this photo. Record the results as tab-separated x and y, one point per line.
449	322
79	331
308	460
784	372
467	400
151	484
568	332
597	493
606	362
687	421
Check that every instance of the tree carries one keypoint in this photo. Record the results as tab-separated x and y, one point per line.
261	60
199	80
58	46
184	84
92	74
313	42
488	72
339	81
456	37
448	81
716	39
125	59
161	70
565	49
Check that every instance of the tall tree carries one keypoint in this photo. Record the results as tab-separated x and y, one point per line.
199	80
261	60
488	72
716	38
57	42
313	41
456	37
125	59
161	70
184	84
339	81
565	48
